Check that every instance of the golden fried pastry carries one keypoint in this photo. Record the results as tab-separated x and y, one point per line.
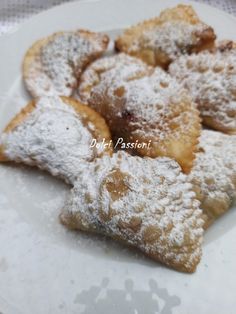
161	40
143	105
119	67
210	77
214	173
143	202
53	64
55	134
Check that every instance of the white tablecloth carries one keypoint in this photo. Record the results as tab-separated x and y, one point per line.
13	12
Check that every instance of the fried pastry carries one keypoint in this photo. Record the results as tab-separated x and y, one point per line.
53	65
161	40
143	202
210	77
55	134
145	105
120	67
214	173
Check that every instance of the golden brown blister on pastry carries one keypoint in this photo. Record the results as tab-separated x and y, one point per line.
143	105
161	40
53	65
143	202
210	78
214	173
55	134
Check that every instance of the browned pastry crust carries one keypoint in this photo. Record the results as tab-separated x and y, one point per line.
20	141
210	78
53	64
142	104
17	120
144	203
214	174
161	40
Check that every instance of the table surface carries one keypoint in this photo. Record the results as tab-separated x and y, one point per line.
13	12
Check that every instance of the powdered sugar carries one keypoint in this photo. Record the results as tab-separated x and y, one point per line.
59	62
172	38
141	103
211	80
154	210
162	39
52	137
150	96
120	67
214	173
151	100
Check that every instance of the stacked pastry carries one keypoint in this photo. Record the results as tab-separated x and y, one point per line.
167	76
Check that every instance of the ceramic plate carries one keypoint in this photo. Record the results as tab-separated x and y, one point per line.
46	269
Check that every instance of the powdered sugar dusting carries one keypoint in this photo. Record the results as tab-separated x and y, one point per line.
120	67
214	173
58	64
152	101
154	210
150	97
211	80
52	137
172	38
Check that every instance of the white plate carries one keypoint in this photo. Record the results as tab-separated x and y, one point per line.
46	269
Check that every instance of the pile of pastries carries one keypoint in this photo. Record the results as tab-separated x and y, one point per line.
169	86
